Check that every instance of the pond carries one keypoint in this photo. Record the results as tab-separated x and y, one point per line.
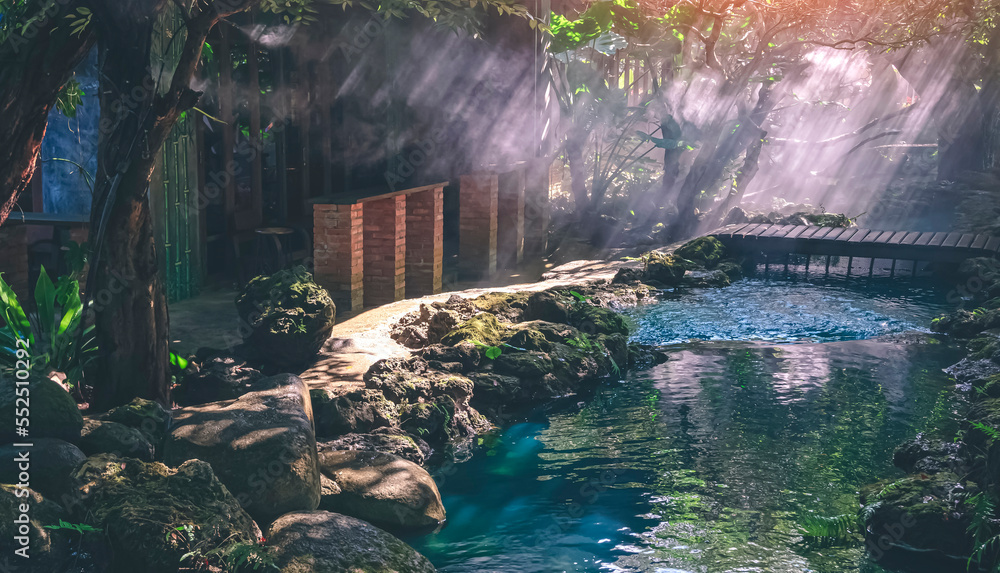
777	403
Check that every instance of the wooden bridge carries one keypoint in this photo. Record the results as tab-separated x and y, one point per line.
776	240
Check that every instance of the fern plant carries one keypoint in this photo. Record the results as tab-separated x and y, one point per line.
985	538
838	527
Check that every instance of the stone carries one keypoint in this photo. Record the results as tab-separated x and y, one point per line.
147	416
922	454
52	463
353	412
628	275
922	512
591	320
705	251
99	437
736	216
262	446
54	413
695	279
47	549
140	506
483	328
385	440
667	270
547	306
219	377
324	542
290	317
382	489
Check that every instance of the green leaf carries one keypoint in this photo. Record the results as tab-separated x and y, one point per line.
45	301
493	352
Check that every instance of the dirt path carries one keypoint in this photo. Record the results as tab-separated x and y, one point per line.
361	340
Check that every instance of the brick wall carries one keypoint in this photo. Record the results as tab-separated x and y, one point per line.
477	244
339	254
385	250
424	242
14	258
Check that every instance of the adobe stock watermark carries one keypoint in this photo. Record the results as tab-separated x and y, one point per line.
405	164
363	37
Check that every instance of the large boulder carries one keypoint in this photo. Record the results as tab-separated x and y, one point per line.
261	445
324	542
382	489
52	462
152	515
101	437
54	413
290	317
25	531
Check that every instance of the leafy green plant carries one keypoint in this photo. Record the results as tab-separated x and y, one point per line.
829	528
992	433
491	352
50	334
985	539
579	297
80	528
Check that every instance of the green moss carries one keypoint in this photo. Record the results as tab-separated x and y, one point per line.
828	219
704	250
592	319
290	316
501	302
666	269
482	328
139	505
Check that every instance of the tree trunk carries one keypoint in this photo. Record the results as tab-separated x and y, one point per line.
128	294
140	103
36	64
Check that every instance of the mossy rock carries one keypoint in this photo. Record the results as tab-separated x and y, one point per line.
386	440
732	269
483	328
984	348
590	319
290	317
54	413
925	512
103	437
147	416
46	549
827	219
325	542
526	365
548	306
359	411
705	251
508	305
666	269
140	507
965	324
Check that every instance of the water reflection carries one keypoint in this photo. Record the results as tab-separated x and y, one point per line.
703	464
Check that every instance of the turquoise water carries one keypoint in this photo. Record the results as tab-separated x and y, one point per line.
706	463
